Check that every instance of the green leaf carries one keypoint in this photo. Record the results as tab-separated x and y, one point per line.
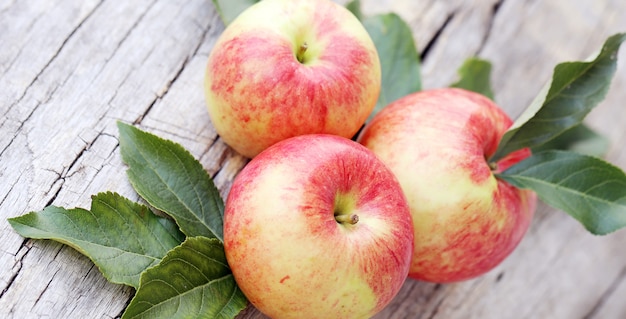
580	139
170	179
230	9
576	88
475	76
398	57
355	7
589	189
192	281
122	238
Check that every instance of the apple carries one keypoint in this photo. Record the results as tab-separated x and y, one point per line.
285	68
316	226
438	143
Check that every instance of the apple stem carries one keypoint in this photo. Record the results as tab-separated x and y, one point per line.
347	218
493	166
300	55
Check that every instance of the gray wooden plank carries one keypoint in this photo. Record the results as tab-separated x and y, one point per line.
70	70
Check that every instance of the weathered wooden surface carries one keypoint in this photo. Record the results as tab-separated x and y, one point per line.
70	69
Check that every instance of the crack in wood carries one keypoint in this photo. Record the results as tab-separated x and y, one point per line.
131	29
161	94
606	294
437	306
20	127
431	43
119	315
119	44
499	277
9	192
37	77
43	291
53	58
490	25
60	179
63	175
114	149
66	171
210	146
17	266
208	30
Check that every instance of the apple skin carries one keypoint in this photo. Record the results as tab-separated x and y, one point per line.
437	142
289	237
257	90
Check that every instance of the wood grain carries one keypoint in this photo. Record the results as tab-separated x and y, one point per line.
70	69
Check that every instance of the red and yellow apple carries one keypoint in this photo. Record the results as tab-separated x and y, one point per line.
285	68
316	226
438	143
